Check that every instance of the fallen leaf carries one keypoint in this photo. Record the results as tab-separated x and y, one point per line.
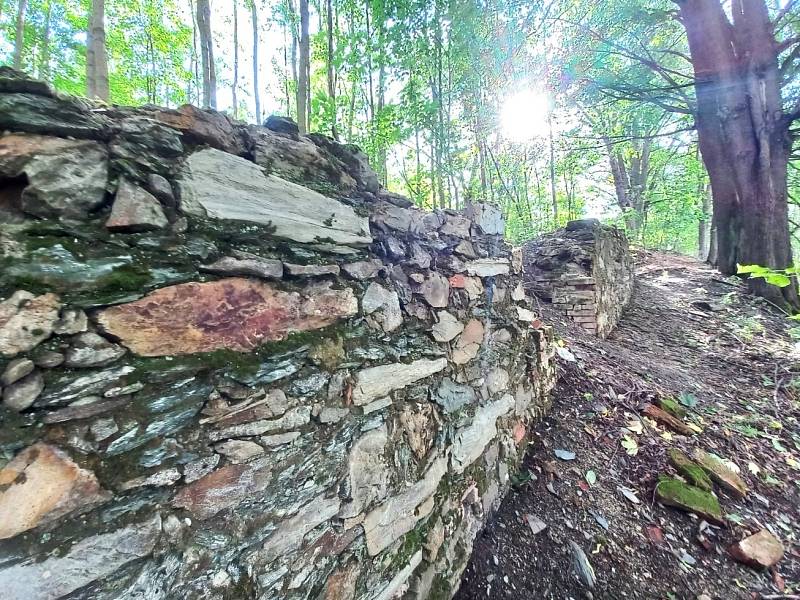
565	354
629	494
565	454
630	445
635	425
654	534
687	399
535	523
591	477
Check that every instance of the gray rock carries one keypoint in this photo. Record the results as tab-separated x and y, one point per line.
470	441
72	321
16	370
239	451
447	328
377	405
398	583
376	382
489	218
489	267
310	270
47	359
332	415
66	178
368	473
364	269
26	320
289	534
382	307
209	178
452	396
200	468
160	187
69	388
164	478
456	225
294	418
436	290
143	144
23	393
86	561
583	568
63	116
91	350
135	209
247	265
104	428
271	441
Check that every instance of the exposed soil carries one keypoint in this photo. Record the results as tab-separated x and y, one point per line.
732	354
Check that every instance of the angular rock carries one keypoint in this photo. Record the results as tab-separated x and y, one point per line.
691	471
16	370
436	290
310	270
91	350
447	328
271	441
239	451
364	269
67	117
383	307
468	343
66	178
161	188
290	533
297	417
456	225
452	396
721	473
164	478
332	415
223	489
41	485
667	420
23	393
376	382
356	163
210	177
47	359
470	442
761	550
200	126
488	267
80	410
88	560
399	514
368	473
399	582
26	320
246	265
135	209
489	218
72	321
145	145
237	314
281	124
689	498
583	568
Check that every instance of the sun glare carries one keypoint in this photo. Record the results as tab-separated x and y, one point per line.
523	116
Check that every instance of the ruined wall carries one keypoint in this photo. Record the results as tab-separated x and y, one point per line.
234	367
585	269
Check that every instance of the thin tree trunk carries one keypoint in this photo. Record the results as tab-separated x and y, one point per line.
44	54
207	54
96	61
19	38
195	57
703	229
235	82
553	196
256	88
302	79
331	75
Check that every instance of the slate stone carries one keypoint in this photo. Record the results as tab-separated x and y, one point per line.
199	126
689	498
761	550
66	117
367	472
488	267
436	290
91	350
722	475
223	489
447	328
453	396
382	306
234	313
470	441
23	393
135	210
376	382
247	265
281	124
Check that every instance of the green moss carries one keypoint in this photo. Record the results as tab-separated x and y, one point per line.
125	278
672	406
675	493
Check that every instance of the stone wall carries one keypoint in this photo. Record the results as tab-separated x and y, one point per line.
584	269
234	367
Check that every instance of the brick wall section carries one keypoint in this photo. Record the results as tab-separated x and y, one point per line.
584	269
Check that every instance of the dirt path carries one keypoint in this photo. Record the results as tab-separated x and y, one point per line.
691	335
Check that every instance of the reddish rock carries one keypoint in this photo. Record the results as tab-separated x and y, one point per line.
42	484
222	489
760	550
667	420
204	127
236	314
519	431
458	281
135	209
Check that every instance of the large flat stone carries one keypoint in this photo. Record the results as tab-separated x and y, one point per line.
222	186
760	550
222	489
42	484
471	440
368	472
376	382
234	313
88	560
290	533
724	476
66	178
398	515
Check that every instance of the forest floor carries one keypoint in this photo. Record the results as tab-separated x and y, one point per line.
692	335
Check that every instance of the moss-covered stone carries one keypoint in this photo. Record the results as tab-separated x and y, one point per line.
686	497
693	472
725	477
673	407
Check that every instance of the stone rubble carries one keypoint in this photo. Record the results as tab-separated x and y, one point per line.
244	368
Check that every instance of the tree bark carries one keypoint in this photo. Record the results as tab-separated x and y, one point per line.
256	89
96	62
207	54
553	196
331	74
19	36
703	229
743	136
235	82
44	54
302	70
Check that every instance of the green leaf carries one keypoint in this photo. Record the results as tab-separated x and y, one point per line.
591	477
687	399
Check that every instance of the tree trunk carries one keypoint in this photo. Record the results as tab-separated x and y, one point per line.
256	89
703	229
743	136
207	54
19	38
195	56
553	196
331	75
96	61
302	74
44	54
235	82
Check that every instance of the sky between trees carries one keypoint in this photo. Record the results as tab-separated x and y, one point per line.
553	110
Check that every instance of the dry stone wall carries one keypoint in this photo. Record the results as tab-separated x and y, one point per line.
235	367
584	269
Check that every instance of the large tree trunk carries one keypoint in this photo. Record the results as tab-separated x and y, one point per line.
302	70
207	54
256	89
19	37
743	136
96	61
